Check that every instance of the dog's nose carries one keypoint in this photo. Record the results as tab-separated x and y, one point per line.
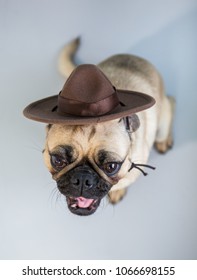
82	181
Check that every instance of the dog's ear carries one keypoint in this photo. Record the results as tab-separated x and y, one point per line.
132	123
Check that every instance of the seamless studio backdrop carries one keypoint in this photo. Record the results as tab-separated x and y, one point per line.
158	217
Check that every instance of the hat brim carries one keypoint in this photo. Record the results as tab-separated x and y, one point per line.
131	102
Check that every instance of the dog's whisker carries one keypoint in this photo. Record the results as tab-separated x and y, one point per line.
55	195
35	146
113	208
58	196
104	203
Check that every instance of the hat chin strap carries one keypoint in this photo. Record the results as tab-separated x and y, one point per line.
134	165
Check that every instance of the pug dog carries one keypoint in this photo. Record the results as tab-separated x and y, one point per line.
98	146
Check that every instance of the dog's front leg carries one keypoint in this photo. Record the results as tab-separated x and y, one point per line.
116	195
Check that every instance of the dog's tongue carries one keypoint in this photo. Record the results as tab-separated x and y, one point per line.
83	202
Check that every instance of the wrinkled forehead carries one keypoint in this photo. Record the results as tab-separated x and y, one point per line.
110	136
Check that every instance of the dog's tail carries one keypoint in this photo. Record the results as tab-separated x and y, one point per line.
65	62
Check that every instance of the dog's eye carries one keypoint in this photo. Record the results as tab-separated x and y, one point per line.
111	168
58	162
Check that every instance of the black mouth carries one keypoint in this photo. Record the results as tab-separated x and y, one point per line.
82	206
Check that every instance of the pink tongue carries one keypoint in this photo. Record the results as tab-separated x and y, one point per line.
83	202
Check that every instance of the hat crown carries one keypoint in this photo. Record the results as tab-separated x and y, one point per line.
87	92
87	84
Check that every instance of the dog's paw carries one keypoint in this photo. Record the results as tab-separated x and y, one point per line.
164	138
164	146
115	196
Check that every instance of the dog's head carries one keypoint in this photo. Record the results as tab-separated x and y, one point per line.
86	161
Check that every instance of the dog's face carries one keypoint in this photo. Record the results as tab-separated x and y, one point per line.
86	161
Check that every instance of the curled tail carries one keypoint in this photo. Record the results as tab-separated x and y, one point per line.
65	61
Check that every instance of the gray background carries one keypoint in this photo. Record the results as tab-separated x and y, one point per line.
157	219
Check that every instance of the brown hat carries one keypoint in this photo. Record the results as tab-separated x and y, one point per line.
87	97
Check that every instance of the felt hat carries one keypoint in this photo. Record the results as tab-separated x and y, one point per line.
87	97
